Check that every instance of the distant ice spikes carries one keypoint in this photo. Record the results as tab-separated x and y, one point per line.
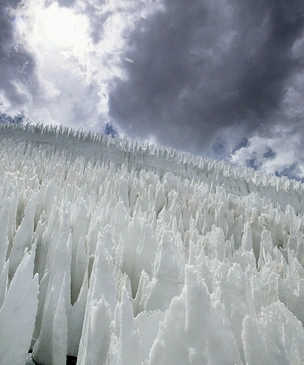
114	252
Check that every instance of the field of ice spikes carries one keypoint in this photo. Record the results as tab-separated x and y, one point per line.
113	252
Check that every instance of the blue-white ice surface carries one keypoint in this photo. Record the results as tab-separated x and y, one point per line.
120	253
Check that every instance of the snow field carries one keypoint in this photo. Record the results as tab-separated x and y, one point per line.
118	253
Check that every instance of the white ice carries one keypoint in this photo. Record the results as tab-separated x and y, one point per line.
117	252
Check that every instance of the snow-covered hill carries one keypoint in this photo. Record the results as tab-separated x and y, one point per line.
119	253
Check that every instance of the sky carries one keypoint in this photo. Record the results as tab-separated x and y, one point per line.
220	78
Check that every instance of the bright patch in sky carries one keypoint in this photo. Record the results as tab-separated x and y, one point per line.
73	67
62	27
54	28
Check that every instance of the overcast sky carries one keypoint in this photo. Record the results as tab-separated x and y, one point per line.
220	78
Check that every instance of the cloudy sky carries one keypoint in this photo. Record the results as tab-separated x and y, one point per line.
220	78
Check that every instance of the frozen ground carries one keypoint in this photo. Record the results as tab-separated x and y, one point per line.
119	253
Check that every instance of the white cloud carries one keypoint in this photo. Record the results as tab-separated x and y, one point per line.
72	72
274	155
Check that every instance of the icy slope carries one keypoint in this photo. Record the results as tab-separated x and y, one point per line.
116	253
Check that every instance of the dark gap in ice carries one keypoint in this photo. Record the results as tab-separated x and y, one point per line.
31	360
70	360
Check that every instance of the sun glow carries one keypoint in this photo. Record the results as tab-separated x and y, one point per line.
59	28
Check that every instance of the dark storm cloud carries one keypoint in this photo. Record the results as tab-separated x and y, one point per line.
98	12
16	65
96	23
200	66
6	33
65	3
